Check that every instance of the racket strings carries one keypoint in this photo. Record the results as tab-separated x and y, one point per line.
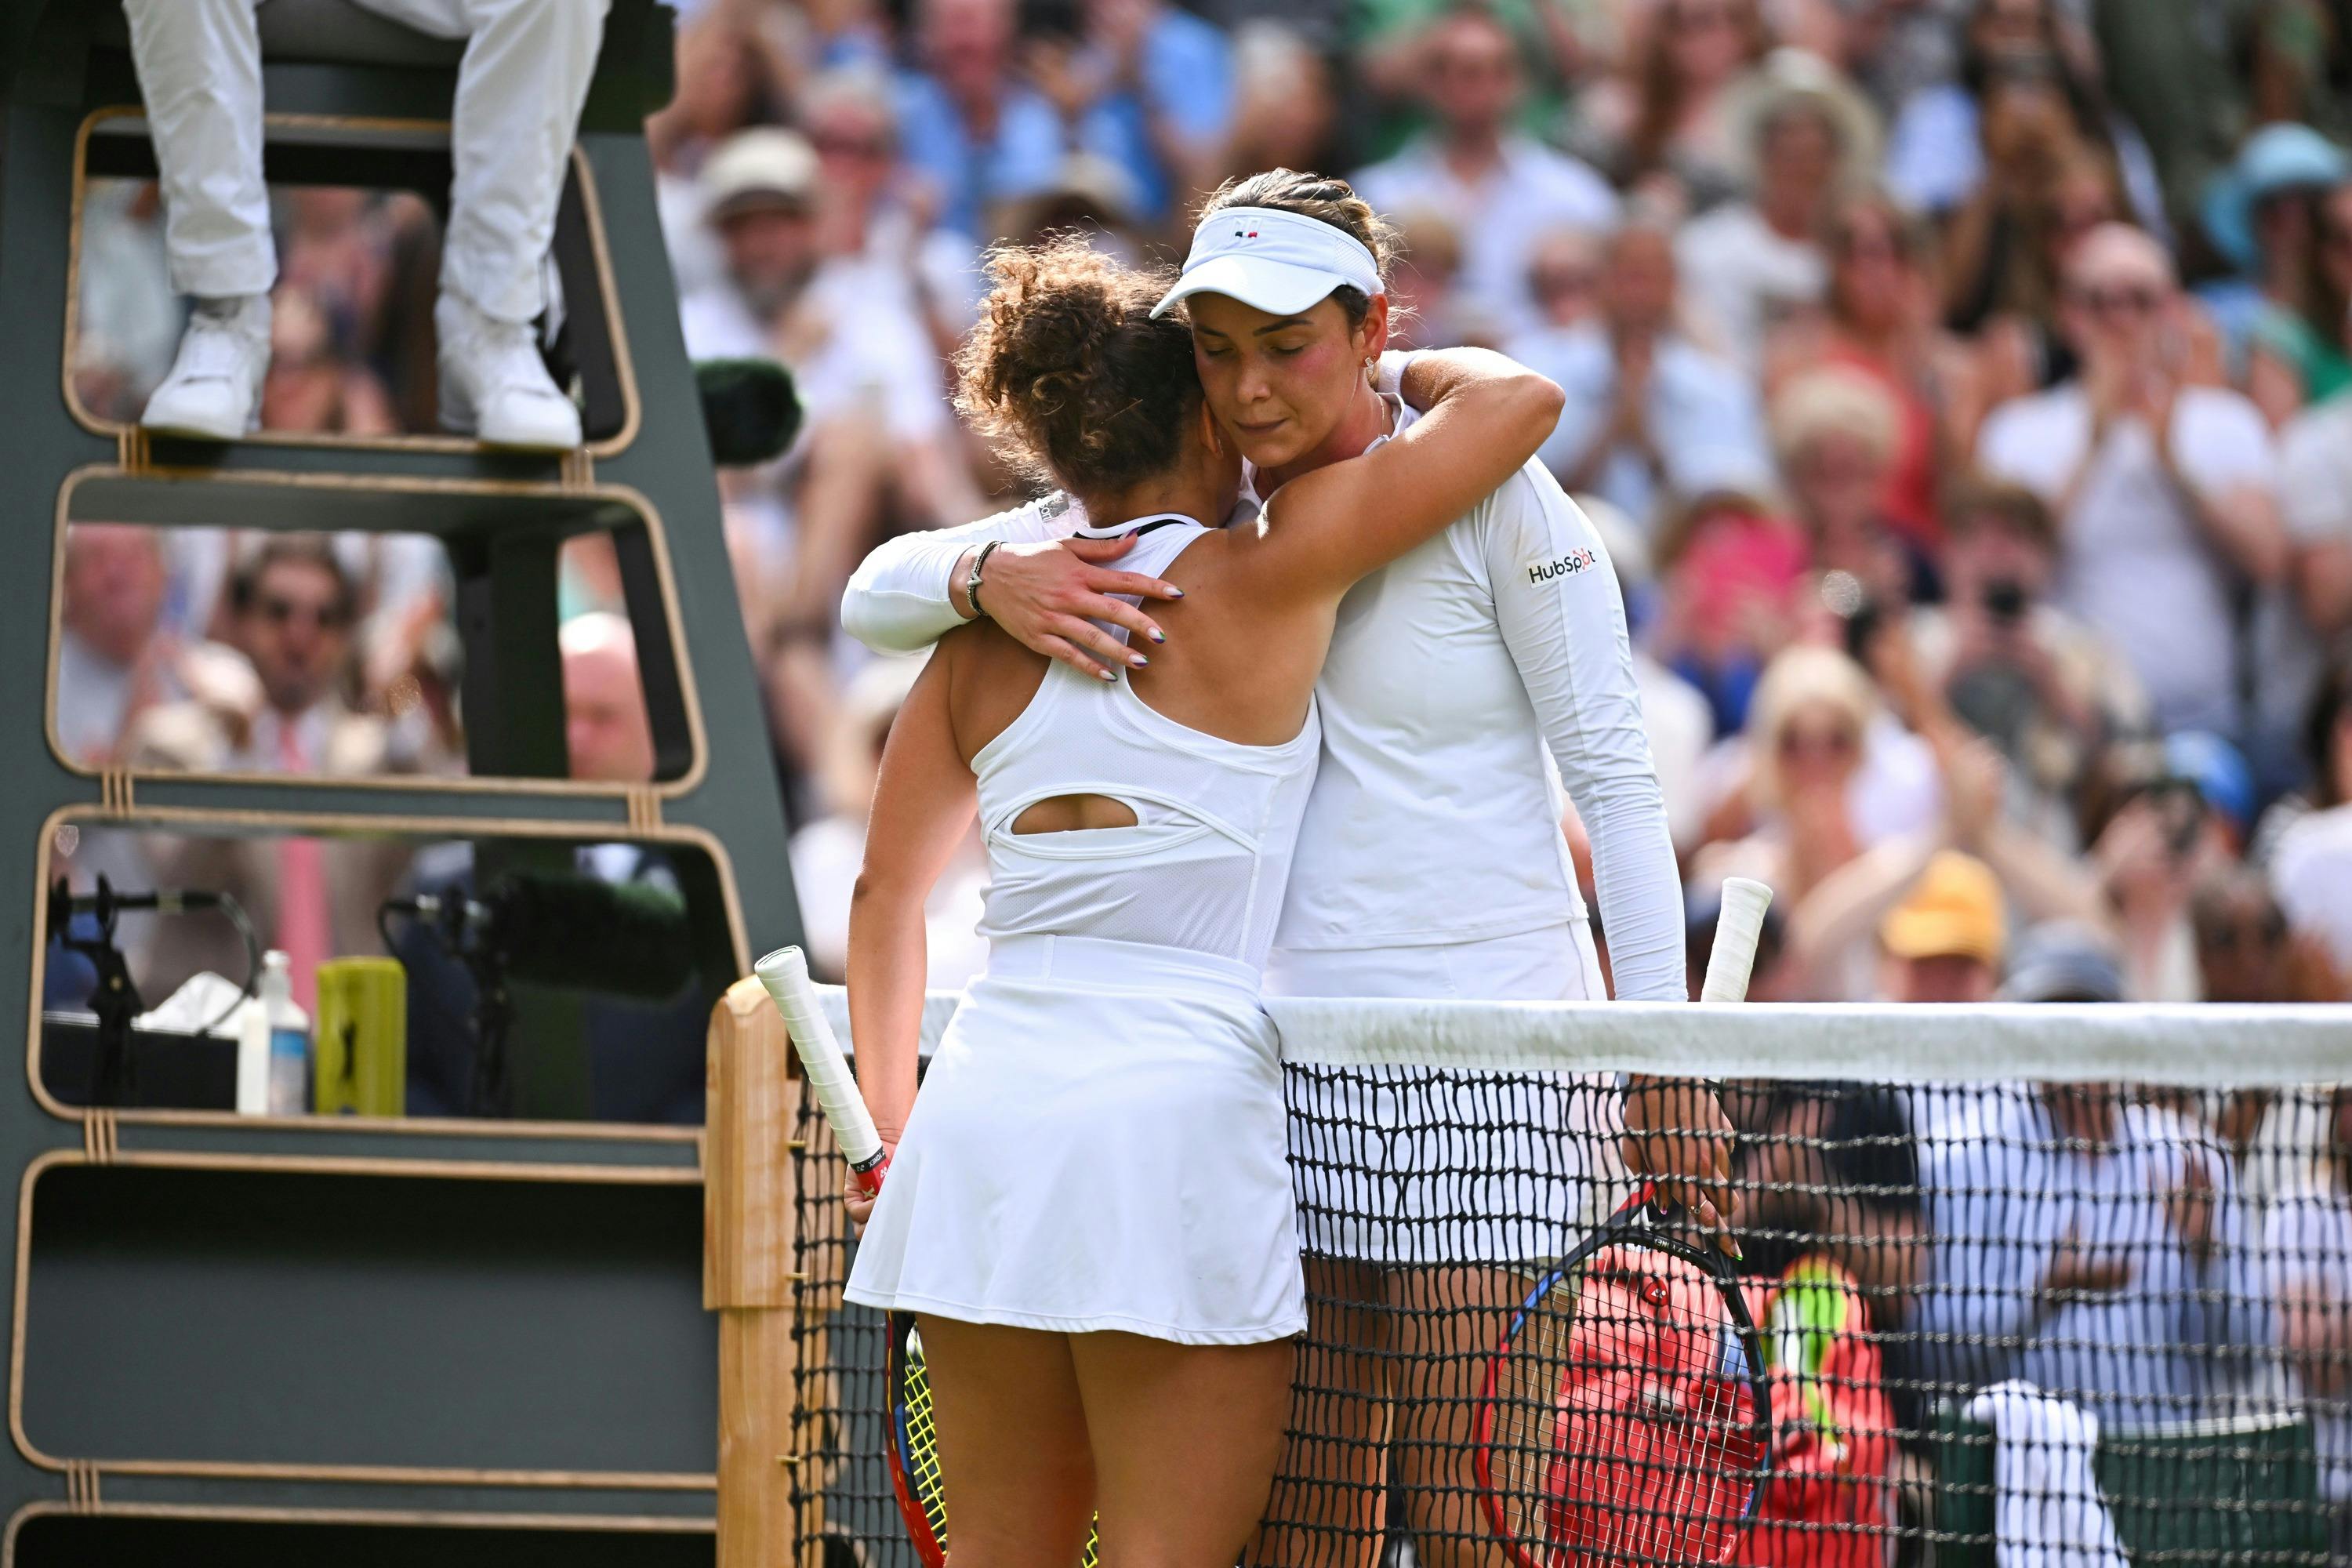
1615	1436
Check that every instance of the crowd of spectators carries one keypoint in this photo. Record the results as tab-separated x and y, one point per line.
1963	389
1947	516
1964	414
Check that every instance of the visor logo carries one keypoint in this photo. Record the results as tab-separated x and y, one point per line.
1239	235
1573	562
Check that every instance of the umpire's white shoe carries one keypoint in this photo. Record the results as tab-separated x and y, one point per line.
215	387
494	386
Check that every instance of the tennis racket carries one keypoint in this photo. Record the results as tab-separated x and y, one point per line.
914	1439
1627	1414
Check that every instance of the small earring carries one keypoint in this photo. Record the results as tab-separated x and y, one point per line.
1372	370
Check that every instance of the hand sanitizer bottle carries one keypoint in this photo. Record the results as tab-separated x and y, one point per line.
289	1039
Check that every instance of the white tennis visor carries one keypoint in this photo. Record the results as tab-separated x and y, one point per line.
1278	262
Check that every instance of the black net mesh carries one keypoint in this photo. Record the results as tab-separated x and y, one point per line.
2108	1324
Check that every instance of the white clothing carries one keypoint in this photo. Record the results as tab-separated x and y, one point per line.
2315	482
825	856
1533	192
2135	565
93	698
1099	1141
520	91
2311	870
2048	1510
1459	678
874	351
1742	278
1701	411
2307	1257
1405	1165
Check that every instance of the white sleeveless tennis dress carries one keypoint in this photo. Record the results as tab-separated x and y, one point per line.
1099	1141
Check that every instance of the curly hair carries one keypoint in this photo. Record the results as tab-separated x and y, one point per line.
1325	199
1067	373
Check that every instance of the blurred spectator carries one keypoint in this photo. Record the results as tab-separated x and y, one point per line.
1755	263
607	736
1971	857
731	72
1880	319
970	125
2245	952
1945	941
2311	611
2261	215
1836	431
2173	70
1144	85
1732	569
1501	190
313	387
1674	714
876	424
2063	961
1828	773
113	664
1662	125
1651	418
2312	864
870	211
1564	275
827	852
2020	57
1425	305
1286	107
292	605
2307	1258
2014	667
1091	195
2085	1243
2149	854
2164	491
519	91
2302	349
128	326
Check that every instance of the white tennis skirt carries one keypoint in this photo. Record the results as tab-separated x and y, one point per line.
1098	1144
1404	1165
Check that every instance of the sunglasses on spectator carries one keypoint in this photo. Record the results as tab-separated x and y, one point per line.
2141	301
1800	740
280	612
2226	934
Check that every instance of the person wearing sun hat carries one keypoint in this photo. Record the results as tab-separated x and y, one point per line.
1945	941
2257	214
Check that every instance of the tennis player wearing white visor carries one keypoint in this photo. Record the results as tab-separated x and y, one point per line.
1430	862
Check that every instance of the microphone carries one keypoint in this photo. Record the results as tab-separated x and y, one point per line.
751	408
573	933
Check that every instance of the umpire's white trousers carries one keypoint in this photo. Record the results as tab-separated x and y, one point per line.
520	89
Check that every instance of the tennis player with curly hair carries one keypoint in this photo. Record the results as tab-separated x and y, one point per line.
1089	1209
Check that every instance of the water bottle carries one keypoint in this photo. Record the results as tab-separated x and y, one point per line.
290	1039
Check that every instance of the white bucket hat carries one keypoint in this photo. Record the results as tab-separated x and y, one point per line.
1278	262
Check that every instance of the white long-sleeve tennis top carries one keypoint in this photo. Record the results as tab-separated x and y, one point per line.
1453	672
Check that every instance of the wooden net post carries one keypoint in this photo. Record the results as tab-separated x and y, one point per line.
749	1230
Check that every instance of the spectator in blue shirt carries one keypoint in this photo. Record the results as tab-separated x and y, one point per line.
1148	88
966	123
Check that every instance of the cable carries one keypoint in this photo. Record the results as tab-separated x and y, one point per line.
244	923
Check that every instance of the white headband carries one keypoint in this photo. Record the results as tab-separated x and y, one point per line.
1274	261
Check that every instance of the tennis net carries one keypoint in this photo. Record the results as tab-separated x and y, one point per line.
2067	1282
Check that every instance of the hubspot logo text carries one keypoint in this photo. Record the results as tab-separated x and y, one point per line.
1574	561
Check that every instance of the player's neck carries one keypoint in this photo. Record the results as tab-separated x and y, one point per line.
1187	495
1366	421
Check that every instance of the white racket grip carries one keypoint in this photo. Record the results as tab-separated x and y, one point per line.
1736	931
784	975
